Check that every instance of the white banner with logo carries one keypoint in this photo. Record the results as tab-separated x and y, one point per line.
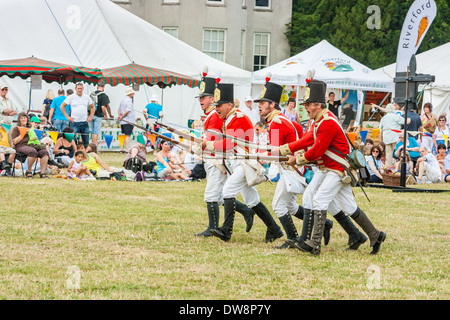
417	22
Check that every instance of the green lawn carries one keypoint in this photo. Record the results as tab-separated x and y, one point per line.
64	239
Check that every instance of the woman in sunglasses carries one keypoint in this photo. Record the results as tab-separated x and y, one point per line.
441	134
374	165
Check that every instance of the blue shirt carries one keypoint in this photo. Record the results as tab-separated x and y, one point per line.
412	144
56	104
378	164
161	166
447	163
153	110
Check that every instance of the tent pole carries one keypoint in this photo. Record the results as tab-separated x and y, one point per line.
29	99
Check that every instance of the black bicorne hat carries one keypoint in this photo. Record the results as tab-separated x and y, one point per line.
272	92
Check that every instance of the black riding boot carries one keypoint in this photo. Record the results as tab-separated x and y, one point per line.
355	237
289	228
299	213
213	217
226	230
273	230
308	223
247	213
313	245
328	225
376	237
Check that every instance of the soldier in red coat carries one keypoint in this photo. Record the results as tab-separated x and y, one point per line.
328	144
356	238
216	174
283	131
236	124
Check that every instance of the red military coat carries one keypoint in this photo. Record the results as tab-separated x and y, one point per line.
237	125
281	129
325	133
212	122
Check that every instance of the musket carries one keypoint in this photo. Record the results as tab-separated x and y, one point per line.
186	136
258	157
241	142
268	148
175	142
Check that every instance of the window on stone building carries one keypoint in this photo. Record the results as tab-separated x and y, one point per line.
173	31
262	3
214	43
261	51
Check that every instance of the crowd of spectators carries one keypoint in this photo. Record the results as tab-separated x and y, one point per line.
427	155
26	144
77	117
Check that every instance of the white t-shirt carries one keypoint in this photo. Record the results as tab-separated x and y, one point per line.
252	114
432	161
79	106
127	105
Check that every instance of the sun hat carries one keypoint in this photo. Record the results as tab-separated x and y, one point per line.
35	119
130	91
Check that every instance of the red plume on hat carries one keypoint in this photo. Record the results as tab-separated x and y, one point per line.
205	71
310	75
218	77
268	76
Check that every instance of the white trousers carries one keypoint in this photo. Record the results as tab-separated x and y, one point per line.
236	183
284	202
326	191
432	174
427	143
215	181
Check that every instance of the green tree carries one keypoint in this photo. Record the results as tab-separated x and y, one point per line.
344	25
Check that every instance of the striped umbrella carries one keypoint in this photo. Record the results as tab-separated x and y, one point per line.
135	73
50	71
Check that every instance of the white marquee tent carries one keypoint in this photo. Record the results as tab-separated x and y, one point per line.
101	34
331	65
434	62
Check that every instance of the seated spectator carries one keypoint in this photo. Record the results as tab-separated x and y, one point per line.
428	168
447	168
138	150
409	164
440	157
77	170
21	145
383	150
6	150
369	142
64	149
412	147
93	162
374	165
48	143
166	168
440	134
367	151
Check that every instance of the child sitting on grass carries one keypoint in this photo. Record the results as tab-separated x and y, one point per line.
77	170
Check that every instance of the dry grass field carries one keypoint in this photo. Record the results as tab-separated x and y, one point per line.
64	239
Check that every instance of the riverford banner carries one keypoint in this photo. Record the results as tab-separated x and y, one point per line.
417	22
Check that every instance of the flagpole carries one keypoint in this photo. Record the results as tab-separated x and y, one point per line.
405	136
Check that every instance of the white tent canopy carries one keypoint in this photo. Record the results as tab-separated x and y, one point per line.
434	62
101	34
331	65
